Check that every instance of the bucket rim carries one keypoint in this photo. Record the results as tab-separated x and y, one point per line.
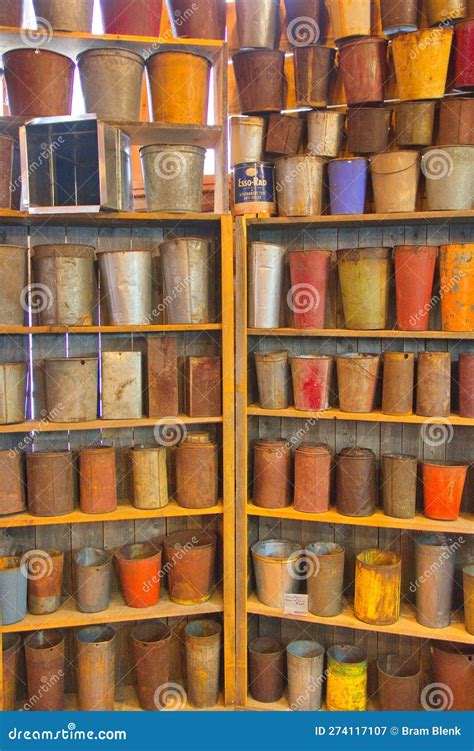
49	634
247	120
103	557
400	456
309	644
376	158
305	251
274	646
178	52
11	563
361	40
111	52
314	449
347	654
350	159
279	355
447	464
270	246
100	635
147	549
11	364
436	149
101	447
54	250
399	355
378	252
6	137
259	52
179	240
147	447
20	247
214	627
157	148
434	540
328	549
385	559
326	113
294	547
139	637
357	356
276	442
410	668
422	32
48	452
122	250
317	358
36	50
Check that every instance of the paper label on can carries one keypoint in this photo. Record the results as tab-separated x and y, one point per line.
254	183
294	604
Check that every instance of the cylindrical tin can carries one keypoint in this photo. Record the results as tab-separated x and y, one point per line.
395	178
111	82
364	276
10	652
139	569
67	272
414	275
449	174
151	651
399	476
12	485
305	661
203	651
455	117
50	476
346	679
325	578
190	558
356	482
398	383
13	588
260	78
122	386
277	565
126	278
266	264
433	390
445	12
309	272
325	133
98	480
299	185
266	669
96	647
399	17
313	465
173	177
421	60
13	380
75	15
443	487
184	263
273	377
314	67
44	657
39	82
197	471
247	139
468	589
414	123
348	185
132	17
399	684
378	575
206	21
466	385
150	477
257	30
349	20
363	64
284	134
13	281
311	376
92	579
254	188
272	474
71	388
457	287
187	75
454	669
11	13
368	129
357	377
45	580
434	561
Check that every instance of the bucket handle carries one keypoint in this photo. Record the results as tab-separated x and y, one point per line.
394	172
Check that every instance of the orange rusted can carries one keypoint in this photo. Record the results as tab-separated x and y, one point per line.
421	61
39	82
313	464
433	390
356	482
45	580
456	115
139	568
443	487
398	383
456	268
12	486
44	657
178	87
197	467
10	652
378	575
272	474
50	476
98	482
96	651
190	566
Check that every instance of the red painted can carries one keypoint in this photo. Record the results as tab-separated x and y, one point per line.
443	486
313	464
311	376
132	17
466	385
414	275
363	64
139	567
309	270
464	55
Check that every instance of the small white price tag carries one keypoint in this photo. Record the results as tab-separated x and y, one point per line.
295	604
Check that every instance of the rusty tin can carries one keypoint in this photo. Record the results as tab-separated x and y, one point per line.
13	280
10	653
139	570
325	578
273	377
247	139
50	476
399	684
190	565
185	264
378	576
313	468
197	468
203	641
98	480
346	679
92	579
96	647
284	134
398	383
466	385
414	123
433	389
162	365
12	485
122	386
44	657
399	477
39	82
356	482
150	477
314	68
260	78
267	669
272	474
13	380
71	388
45	580
454	669
456	115
299	185
357	378
278	570
203	386
305	661
434	593
368	129
151	652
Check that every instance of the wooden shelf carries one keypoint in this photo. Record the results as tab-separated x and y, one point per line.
12	330
43	426
336	414
406	625
282	705
342	220
126	701
360	334
68	616
102	218
463	525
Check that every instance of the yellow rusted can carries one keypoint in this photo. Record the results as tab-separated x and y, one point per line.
445	11
178	87
346	679
377	587
421	61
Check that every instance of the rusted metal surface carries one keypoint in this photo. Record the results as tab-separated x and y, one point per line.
207	21
433	391
309	273
190	566
363	63
273	376
395	179
434	592
11	13
399	477
325	578
92	579
10	652
468	588
305	660
312	487
111	82
311	377
187	75
45	670
443	488
13	278
299	185
149	477
456	272
247	139
7	154
454	667
368	130
399	684
451	189
357	378
197	467
71	388
50	476
162	364
466	385
398	383
39	83
356	482
122	386
277	567
364	276
203	386
13	588
314	68
45	581
325	132
266	263
267	669
139	567
260	79
132	17
203	650
13	380
455	117
151	650
12	484
399	17
96	647
378	575
414	276
98	480
272	474
168	188
284	134
126	281
75	15
346	679
186	267
414	123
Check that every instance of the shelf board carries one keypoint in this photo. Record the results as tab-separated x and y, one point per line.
103	218
12	330
68	617
406	625
126	701
335	414
282	705
360	334
463	525
124	512
149	134
411	217
44	426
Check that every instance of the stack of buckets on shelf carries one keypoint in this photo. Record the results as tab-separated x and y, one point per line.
343	148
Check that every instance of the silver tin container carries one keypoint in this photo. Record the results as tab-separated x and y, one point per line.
173	177
185	268
71	388
122	386
126	286
299	185
266	264
111	81
247	135
72	15
257	23
325	133
276	564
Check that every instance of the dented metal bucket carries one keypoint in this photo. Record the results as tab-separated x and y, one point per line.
203	642
399	477
96	648
13	380
151	654
12	484
10	654
173	177
265	282
325	578
45	671
126	281
272	474
197	470
97	480
305	661
277	567
92	570
122	386
111	82
71	388
325	133
273	376
399	683
45	580
185	265
190	565
50	477
13	281
149	477
434	592
73	15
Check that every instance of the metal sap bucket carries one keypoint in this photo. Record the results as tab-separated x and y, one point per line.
395	177
92	579
187	75
44	657
273	376
325	133
314	70
414	123
368	129
449	173
357	378
190	566
378	577
13	281
122	386
150	478
346	679
266	264
325	578
257	28
71	388
260	79
399	17
207	21
453	667
151	650
455	121
299	185
434	592
126	281
185	265
203	642
50	483
356	482
13	380
272	474
247	139
305	661
399	683
73	15
9	185
96	647
13	589
266	669
173	177
10	653
45	580
277	565
111	81
97	480
398	383
433	390
12	486
66	272
39	83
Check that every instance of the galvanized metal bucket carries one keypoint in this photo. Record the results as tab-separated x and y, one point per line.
111	82
277	565
122	386
325	133
96	647
325	578
346	679
257	27
173	177
45	580
266	264
434	566
74	15
399	684
299	185
266	669
273	376
449	173
71	388
92	579
13	380
247	139
13	588
50	483
203	648
150	478
12	484
10	653
305	660
151	649
126	286
185	265
65	272
44	657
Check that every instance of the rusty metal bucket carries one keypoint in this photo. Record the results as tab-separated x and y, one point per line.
454	669
187	75
277	565
363	65
346	679
71	388
13	588
111	82
260	78
314	68
399	17
325	578
273	376
257	29
13	380
311	377
190	566
45	580
203	649
44	656
96	647
368	130
267	669
173	177
98	480
299	185
185	265
399	477
74	15
414	123
206	21
50	476
272	474
266	263
325	133
151	651
398	383
305	660
357	377
12	485
378	577
139	569
149	477
197	468
92	579
468	588
449	174
126	281
312	483
455	117
433	391
122	386
13	281
66	272
10	653
434	566
39	83
399	684
395	177
356	482
364	276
